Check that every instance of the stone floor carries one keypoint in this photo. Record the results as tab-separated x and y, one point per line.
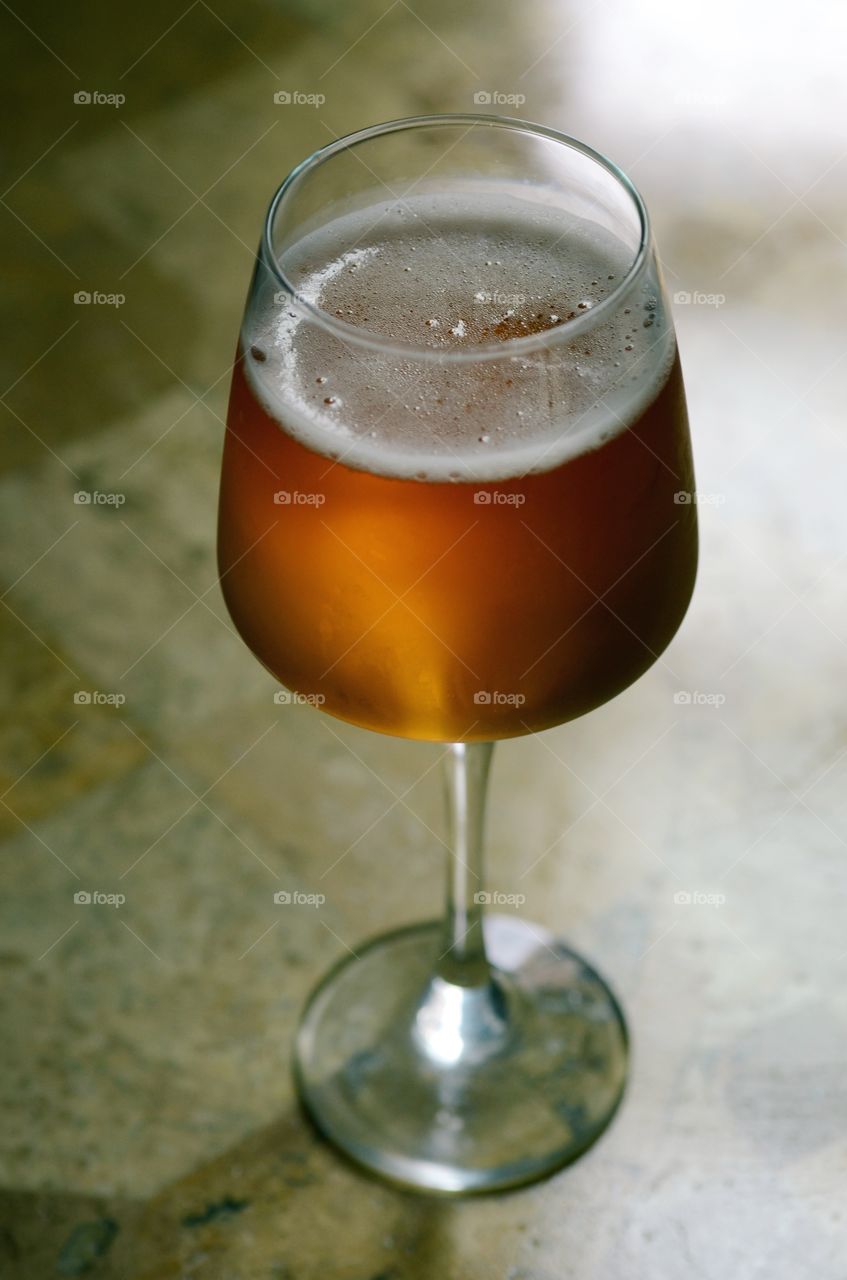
150	1129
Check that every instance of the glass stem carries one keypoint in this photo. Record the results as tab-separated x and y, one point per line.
466	768
463	1014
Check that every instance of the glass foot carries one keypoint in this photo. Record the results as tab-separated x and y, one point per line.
451	1088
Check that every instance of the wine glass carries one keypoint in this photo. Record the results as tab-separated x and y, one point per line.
457	505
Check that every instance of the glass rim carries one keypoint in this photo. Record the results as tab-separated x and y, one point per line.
372	339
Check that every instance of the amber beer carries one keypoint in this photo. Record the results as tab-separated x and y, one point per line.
459	550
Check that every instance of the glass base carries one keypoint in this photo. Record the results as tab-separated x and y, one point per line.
453	1089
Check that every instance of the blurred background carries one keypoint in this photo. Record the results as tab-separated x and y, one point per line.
688	837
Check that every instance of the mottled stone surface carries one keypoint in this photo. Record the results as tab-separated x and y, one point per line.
150	1130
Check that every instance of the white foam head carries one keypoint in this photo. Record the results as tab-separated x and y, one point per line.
457	284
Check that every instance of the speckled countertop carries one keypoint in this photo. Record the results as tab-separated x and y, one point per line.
150	1131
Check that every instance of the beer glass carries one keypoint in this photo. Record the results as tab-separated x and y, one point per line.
456	505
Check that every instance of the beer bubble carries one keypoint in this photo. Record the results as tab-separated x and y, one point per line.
485	439
334	401
320	378
259	353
